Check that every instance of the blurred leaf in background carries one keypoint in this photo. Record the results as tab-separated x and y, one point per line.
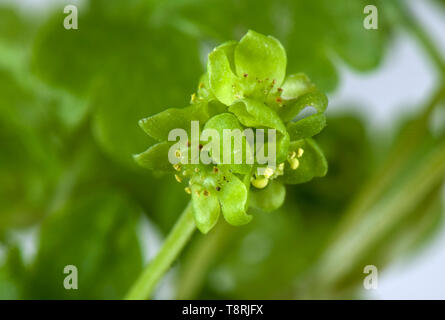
97	234
123	67
29	160
314	32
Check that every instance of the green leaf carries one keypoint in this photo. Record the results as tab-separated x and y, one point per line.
346	130
123	78
30	161
233	198
309	30
159	125
12	274
206	208
361	49
96	232
155	158
307	127
311	163
223	81
268	199
14	27
260	57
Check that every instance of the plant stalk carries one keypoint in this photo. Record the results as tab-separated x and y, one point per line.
180	234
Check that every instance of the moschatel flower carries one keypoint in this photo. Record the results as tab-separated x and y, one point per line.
245	87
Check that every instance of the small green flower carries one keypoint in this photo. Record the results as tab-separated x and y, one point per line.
245	86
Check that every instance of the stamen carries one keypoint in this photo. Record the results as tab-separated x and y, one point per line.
294	163
268	172
260	182
300	152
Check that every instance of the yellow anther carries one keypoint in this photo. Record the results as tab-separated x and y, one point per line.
300	152
201	85
292	155
281	167
294	163
178	154
268	172
178	178
194	97
260	182
177	167
196	169
188	190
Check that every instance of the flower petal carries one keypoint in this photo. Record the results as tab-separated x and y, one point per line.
223	81
260	57
233	198
206	208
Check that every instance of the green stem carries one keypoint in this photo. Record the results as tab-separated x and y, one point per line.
199	259
173	245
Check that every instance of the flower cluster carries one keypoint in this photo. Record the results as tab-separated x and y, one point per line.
245	86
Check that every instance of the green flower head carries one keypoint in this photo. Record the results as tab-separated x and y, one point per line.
245	87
